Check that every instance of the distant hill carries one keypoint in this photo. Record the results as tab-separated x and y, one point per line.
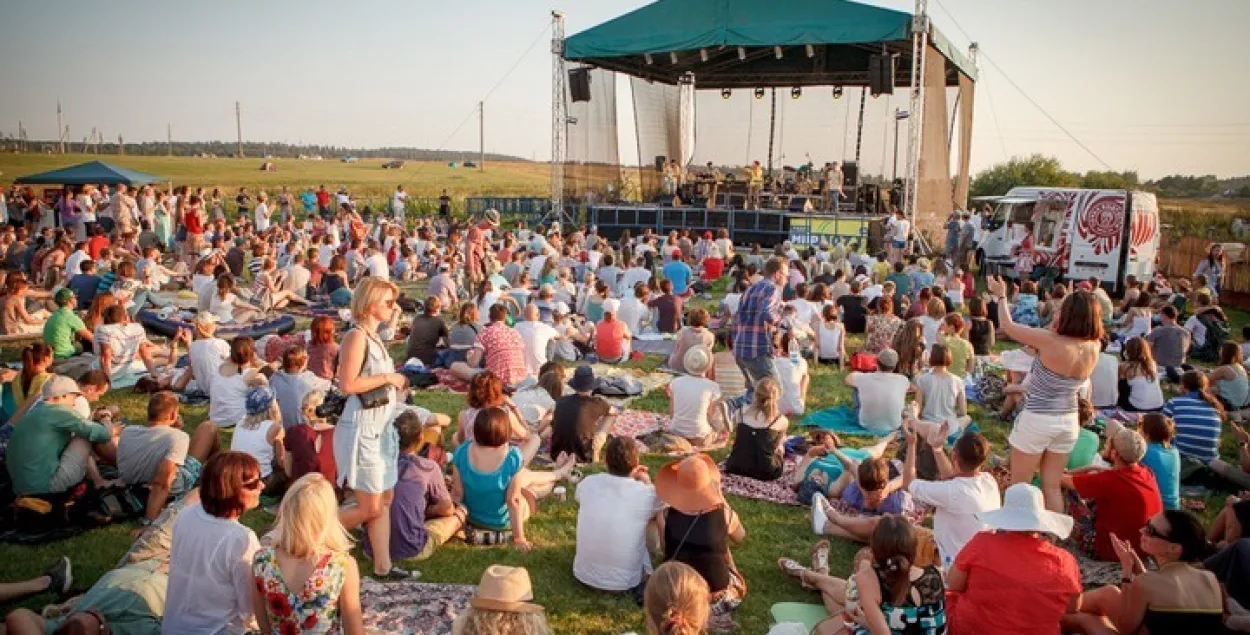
259	150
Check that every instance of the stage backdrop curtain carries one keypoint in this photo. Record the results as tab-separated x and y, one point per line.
933	190
966	93
592	170
657	118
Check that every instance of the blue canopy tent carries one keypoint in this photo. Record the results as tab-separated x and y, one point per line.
90	173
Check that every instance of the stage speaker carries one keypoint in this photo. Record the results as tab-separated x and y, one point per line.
881	75
801	203
870	198
850	175
579	84
663	200
660	162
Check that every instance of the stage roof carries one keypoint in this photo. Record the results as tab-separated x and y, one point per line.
90	173
842	34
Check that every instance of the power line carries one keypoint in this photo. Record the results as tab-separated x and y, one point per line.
989	96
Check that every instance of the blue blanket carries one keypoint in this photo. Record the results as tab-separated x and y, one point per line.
840	420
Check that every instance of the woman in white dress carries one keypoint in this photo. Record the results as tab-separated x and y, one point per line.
366	445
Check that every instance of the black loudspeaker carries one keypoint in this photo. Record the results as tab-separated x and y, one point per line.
579	84
850	175
870	198
881	75
802	203
660	162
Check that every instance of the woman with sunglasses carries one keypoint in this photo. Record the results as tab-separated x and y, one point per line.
210	557
366	446
1178	597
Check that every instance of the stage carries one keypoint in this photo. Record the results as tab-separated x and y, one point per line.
768	227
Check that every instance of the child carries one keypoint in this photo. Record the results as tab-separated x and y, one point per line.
872	486
310	446
1024	306
1162	457
260	434
980	330
791	374
951	335
940	399
831	337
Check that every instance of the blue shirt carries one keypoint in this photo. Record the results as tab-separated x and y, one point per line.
1197	426
679	274
85	286
1166	465
759	309
486	493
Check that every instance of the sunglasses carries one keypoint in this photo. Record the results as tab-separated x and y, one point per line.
254	483
1150	530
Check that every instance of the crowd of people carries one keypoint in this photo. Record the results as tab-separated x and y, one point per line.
1092	467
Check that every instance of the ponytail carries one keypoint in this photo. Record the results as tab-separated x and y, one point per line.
1194	381
896	570
32	355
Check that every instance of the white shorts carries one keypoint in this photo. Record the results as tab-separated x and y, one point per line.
1035	433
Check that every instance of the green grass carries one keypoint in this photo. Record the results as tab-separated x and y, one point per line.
772	530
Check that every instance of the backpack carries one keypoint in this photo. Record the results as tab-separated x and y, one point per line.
1217	334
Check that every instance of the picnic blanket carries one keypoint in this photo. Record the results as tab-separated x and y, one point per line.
450	381
808	615
412	608
636	423
728	375
651	346
777	491
840	420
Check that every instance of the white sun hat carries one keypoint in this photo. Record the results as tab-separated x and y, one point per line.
1024	510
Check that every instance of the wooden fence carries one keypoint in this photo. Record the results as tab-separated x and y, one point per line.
1179	257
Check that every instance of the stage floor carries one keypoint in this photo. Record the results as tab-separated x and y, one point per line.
767	227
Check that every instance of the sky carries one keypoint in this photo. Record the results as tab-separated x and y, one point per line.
1149	85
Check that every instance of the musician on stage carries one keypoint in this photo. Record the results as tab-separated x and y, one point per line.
711	184
831	190
754	185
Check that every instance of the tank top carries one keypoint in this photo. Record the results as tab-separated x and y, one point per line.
1235	391
253	442
979	335
754	453
702	542
1049	392
829	339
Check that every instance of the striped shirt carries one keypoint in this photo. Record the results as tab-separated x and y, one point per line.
1197	426
759	308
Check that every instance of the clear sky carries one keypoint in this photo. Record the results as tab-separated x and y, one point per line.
1153	85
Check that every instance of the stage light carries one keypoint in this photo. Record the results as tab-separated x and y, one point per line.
672	57
650	60
726	93
811	51
796	92
837	92
742	54
759	93
703	55
777	51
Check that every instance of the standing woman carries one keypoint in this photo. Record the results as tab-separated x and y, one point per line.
147	207
1213	268
162	221
366	448
1045	433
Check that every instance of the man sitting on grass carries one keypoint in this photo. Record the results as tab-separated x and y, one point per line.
162	455
614	512
423	514
53	447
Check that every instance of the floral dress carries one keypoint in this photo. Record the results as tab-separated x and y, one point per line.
314	609
881	330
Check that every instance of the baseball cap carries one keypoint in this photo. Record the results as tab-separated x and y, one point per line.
63	297
562	308
59	386
259	399
611	305
887	358
1128	443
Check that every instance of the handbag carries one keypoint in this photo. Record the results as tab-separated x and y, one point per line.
377	397
864	362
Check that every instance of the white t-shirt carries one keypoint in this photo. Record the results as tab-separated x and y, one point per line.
931	326
690	398
902	229
207	355
941	397
632	312
730	304
790	375
612	522
536	267
536	336
325	254
881	399
73	264
297	277
253	441
123	341
262	216
378	267
1104	381
223	308
1144	393
398	202
829	339
871	293
210	575
957	501
630	279
1199	331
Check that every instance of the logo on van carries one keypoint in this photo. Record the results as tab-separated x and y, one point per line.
1102	222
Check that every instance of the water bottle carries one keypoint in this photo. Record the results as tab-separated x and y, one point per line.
794	351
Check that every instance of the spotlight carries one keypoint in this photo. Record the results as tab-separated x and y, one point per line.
672	57
759	93
647	56
837	92
742	54
796	92
703	55
777	51
811	50
726	93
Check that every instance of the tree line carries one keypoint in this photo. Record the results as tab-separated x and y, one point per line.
254	150
1039	170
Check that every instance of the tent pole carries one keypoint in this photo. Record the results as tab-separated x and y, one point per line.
859	131
915	124
772	130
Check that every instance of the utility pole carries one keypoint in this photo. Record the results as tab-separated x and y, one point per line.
121	145
238	127
169	139
481	135
60	126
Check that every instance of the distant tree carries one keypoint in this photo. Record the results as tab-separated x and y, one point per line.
1244	192
1181	186
1095	180
1035	170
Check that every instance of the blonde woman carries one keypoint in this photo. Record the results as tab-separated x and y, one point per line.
758	452
366	447
261	435
307	582
676	601
503	604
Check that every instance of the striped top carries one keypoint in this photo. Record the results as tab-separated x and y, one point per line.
1197	426
1049	392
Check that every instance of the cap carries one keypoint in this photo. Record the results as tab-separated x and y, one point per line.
611	305
562	308
259	399
1128	443
887	359
63	297
59	386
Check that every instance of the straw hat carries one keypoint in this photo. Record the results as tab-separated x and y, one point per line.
1024	510
696	360
506	589
1130	445
691	485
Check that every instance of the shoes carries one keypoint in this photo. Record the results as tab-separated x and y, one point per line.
819	518
820	557
62	575
396	575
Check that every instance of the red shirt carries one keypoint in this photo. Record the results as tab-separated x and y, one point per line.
1017	583
95	245
192	221
323	198
301	442
610	339
505	352
1126	498
713	269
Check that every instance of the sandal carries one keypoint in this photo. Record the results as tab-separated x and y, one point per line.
396	574
820	557
792	568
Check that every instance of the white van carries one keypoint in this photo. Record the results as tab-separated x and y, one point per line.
1105	233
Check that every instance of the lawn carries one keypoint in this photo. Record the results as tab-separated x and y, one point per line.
772	530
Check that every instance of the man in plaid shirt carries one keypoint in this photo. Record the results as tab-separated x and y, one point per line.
759	312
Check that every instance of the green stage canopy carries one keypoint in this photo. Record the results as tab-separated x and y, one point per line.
90	173
842	35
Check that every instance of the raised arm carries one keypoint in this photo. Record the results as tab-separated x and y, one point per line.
1037	338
